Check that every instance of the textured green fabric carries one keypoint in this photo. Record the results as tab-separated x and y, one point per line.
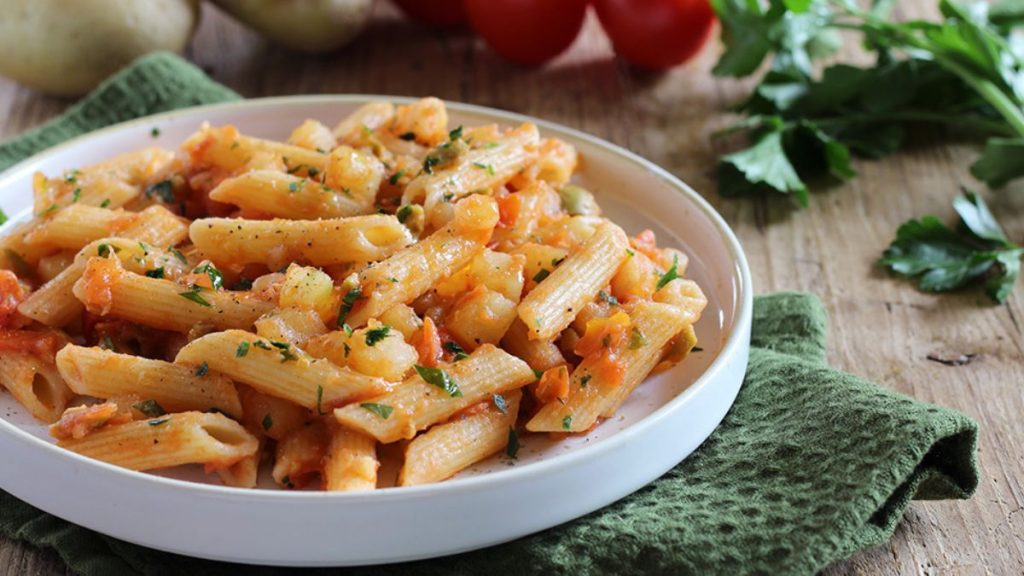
808	467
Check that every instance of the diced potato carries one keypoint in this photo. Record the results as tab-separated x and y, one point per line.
404	319
354	173
276	417
636	278
291	325
379	350
500	272
481	317
539	257
309	288
426	119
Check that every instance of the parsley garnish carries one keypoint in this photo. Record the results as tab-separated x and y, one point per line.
567	423
216	278
195	296
429	162
512	448
242	350
541	275
944	259
262	345
408	136
319	399
296	185
203	369
283	347
455	134
72	176
268	422
670	275
486	167
107	344
76	195
177	254
347	302
105	203
159	422
403	213
606	297
3	216
585	380
164	190
696	349
538	374
49	210
439	378
104	250
155	273
375	335
457	351
395	178
382	410
150	408
347	348
499	403
637	339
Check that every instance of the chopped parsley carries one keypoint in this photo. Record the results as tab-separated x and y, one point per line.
177	254
242	350
538	374
375	335
150	408
76	195
606	297
154	132
567	423
347	348
382	410
499	403
104	250
630	253
512	448
403	213
439	378
408	136
216	278
155	273
49	210
163	190
455	134
203	369
72	176
105	203
585	380
396	177
429	162
262	345
486	167
696	349
159	422
107	344
145	250
268	422
670	275
456	351
194	296
637	339
3	217
296	185
541	275
319	399
348	329
347	302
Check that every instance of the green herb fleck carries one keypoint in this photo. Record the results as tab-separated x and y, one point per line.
49	210
455	134
216	278
500	403
159	422
696	349
456	351
105	203
104	250
107	344
154	132
163	190
319	399
382	410
268	422
72	176
348	349
606	297
486	167
296	185
637	339
375	335
541	275
567	423
630	253
76	195
670	275
403	213
439	378
203	369
395	178
150	408
537	374
3	217
242	350
195	296
177	254
347	302
262	345
585	380
512	448
155	273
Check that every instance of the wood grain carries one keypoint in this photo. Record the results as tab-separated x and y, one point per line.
881	328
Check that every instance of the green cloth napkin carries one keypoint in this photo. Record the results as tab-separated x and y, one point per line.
809	466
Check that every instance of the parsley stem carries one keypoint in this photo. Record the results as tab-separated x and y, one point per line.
975	122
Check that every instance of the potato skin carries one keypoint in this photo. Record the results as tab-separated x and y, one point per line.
67	48
312	26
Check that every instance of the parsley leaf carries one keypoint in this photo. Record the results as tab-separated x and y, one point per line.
319	399
195	296
268	422
943	259
457	352
216	278
155	273
567	423
671	274
440	378
382	410
3	217
512	448
163	190
375	335
203	369
347	302
242	350
541	275
150	408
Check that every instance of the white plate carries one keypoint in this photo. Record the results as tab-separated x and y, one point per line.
663	421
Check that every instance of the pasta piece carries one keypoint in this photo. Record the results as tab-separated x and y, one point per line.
312	135
480	169
77	225
245	472
105	374
54	303
416	404
447	449
412	271
404	319
685	295
51	266
351	462
367	118
556	300
35	384
378	350
539	354
426	120
230	151
309	288
106	288
275	417
279	369
171	440
481	316
316	242
299	455
356	174
290	325
593	391
287	196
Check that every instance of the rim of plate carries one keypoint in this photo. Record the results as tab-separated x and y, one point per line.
742	298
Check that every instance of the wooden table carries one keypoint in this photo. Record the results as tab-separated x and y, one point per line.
881	328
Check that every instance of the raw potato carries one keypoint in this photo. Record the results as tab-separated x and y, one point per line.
68	47
313	26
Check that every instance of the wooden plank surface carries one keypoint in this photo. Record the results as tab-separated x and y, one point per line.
880	328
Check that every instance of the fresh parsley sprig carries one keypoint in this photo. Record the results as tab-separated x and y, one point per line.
944	259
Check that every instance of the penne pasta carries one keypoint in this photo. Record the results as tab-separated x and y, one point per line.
165	441
176	388
279	369
447	449
316	242
555	301
416	404
350	464
286	196
35	384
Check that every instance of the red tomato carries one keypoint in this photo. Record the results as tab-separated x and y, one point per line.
436	13
656	34
528	32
